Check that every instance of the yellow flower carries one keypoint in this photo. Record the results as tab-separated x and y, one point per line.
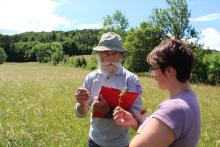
123	92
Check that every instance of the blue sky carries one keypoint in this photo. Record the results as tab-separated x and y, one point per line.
17	16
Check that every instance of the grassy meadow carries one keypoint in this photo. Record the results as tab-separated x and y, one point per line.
36	102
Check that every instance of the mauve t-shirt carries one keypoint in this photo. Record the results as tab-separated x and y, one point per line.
181	114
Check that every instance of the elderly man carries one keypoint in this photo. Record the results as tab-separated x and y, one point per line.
103	131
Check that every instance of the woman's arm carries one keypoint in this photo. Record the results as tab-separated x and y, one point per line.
154	134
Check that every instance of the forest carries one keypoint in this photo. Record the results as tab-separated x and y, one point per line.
59	47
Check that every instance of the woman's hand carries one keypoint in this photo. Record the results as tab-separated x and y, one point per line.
141	116
124	118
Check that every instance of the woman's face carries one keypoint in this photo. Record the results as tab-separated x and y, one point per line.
160	77
109	61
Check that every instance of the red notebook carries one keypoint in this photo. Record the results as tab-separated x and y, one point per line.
111	95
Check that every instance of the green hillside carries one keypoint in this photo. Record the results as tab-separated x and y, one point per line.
36	102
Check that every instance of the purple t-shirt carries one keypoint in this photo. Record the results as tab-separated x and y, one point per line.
181	114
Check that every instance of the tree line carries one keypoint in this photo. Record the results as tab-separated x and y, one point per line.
170	22
47	46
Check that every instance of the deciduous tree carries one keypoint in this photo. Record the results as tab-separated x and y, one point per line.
174	20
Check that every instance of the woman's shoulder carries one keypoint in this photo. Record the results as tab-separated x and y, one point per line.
172	105
183	103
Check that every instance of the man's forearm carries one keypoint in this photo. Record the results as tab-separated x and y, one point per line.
81	110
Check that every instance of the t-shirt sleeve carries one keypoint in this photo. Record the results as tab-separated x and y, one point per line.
171	114
135	86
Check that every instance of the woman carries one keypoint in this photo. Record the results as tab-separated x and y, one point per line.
176	122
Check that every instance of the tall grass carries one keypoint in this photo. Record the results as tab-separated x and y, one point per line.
36	102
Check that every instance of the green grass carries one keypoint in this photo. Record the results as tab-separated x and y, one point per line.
36	102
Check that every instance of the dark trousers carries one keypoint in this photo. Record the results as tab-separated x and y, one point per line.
93	144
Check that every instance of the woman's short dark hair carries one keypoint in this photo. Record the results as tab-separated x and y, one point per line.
173	53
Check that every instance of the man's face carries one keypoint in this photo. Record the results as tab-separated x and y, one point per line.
109	61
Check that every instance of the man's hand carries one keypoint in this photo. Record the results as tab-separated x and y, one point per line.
100	105
82	96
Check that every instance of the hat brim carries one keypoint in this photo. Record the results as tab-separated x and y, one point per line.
109	48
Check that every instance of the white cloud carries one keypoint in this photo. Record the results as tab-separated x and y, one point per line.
211	38
90	26
209	17
32	15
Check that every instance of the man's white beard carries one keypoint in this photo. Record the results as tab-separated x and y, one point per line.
109	68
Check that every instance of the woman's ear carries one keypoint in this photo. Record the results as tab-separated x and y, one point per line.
170	72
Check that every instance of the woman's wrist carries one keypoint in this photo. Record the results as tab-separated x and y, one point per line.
134	124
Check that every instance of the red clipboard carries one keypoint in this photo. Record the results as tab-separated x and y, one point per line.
111	95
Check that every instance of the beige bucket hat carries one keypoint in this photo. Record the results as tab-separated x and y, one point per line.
110	42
